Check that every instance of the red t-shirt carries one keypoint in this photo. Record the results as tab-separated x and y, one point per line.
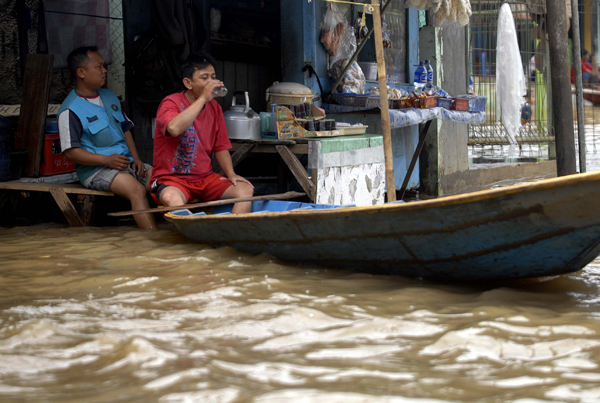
188	155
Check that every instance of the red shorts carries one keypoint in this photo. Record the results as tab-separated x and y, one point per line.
210	188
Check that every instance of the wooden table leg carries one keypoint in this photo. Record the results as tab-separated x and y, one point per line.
66	207
415	157
86	210
282	176
298	170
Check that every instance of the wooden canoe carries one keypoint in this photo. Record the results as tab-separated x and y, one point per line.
543	228
591	95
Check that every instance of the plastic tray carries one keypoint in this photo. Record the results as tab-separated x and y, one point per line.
358	101
354	129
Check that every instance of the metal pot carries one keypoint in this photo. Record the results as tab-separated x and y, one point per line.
242	122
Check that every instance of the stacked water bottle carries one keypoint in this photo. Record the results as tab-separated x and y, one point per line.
423	81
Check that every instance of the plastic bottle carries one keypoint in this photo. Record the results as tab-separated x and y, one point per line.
420	76
471	89
429	74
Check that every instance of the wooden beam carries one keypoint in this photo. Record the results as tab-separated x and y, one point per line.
66	207
383	97
283	196
34	106
298	170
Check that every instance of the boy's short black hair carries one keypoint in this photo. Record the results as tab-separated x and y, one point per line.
79	57
584	52
196	61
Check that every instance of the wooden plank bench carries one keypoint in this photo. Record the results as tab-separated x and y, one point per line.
59	192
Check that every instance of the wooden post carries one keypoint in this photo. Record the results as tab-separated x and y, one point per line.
562	105
383	98
34	109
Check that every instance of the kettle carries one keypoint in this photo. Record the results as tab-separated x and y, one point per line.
241	121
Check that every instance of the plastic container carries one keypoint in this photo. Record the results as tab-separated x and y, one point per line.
430	101
53	161
420	76
445	103
470	103
369	70
51	125
265	123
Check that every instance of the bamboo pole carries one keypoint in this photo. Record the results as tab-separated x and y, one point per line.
383	98
165	209
578	84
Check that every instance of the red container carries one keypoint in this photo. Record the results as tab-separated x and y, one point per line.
53	161
460	104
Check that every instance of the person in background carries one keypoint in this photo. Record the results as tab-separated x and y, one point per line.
526	110
95	134
589	72
190	127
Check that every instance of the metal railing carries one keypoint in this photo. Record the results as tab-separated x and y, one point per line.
491	139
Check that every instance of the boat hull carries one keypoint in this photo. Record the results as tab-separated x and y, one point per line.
592	95
537	229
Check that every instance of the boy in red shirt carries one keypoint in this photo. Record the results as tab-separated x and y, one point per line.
189	127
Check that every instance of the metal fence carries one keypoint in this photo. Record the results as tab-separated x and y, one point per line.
491	139
589	25
116	71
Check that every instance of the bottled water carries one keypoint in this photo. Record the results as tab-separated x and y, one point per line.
420	76
429	74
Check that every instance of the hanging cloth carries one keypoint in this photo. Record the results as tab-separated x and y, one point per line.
510	79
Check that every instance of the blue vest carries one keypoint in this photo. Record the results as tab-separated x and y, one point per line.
102	132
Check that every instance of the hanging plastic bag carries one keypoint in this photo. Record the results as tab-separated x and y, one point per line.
387	41
510	79
354	79
333	28
347	46
360	30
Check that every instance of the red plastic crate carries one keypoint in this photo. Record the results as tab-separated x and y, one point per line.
53	161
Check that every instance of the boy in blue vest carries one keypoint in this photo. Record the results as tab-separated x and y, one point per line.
95	134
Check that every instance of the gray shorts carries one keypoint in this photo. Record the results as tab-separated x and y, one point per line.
102	179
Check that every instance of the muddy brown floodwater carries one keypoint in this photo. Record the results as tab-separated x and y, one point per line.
118	314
